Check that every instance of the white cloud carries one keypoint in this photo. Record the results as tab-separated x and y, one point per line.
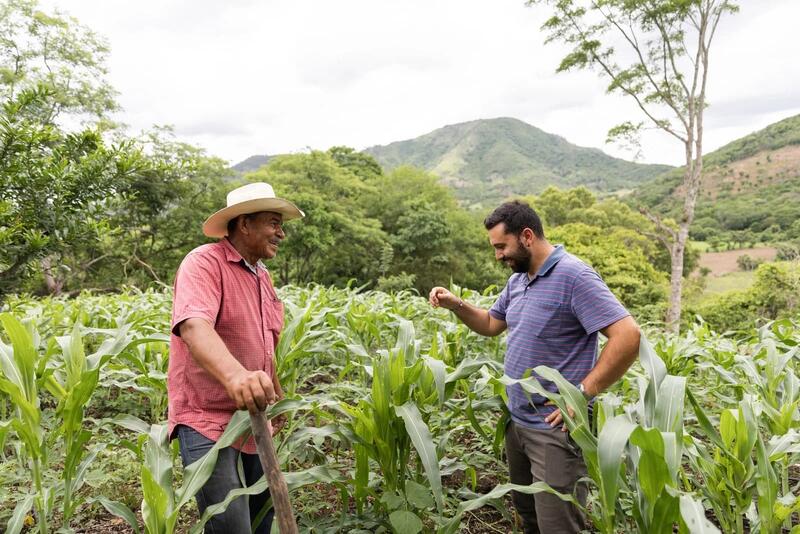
254	77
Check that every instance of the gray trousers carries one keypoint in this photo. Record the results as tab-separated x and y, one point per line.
552	457
236	519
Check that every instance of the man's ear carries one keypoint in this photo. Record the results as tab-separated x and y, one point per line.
241	224
528	236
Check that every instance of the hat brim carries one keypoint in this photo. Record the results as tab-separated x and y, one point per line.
217	224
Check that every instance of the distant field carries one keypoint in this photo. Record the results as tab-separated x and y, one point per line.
728	282
721	263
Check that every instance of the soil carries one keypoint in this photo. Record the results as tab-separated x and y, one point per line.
725	262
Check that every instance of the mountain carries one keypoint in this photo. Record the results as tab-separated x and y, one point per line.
488	160
749	185
251	164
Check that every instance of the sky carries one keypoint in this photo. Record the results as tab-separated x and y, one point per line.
245	77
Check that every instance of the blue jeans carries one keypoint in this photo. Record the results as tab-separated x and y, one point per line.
241	512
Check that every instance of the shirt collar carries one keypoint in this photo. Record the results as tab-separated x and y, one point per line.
232	255
551	260
549	263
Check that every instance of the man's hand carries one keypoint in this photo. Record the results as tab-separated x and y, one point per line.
251	390
441	297
556	418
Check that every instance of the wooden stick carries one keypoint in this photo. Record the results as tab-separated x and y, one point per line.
277	484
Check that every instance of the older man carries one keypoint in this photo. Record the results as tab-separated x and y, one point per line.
226	319
553	306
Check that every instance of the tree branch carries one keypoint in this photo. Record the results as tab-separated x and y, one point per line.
666	233
615	77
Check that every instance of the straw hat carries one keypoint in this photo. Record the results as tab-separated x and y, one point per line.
250	198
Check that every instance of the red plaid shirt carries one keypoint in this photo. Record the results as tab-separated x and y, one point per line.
214	283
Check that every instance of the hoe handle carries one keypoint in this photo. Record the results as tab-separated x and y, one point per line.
277	485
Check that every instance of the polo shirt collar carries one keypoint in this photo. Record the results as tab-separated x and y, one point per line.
549	263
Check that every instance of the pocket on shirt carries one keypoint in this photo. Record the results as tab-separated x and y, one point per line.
547	319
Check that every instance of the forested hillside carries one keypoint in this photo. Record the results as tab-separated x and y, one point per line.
485	161
750	190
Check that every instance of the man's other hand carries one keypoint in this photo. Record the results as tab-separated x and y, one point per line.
441	297
251	390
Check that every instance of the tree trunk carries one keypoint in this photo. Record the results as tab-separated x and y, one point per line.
54	284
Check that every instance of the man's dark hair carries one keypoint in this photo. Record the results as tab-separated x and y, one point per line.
517	216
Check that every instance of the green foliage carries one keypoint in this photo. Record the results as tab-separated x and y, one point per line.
559	207
51	184
392	405
55	51
336	242
618	256
774	295
365	226
769	209
154	218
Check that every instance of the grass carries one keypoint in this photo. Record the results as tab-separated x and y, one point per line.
727	282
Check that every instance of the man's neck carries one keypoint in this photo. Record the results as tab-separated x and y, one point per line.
541	251
240	248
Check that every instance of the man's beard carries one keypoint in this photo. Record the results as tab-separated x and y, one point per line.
520	261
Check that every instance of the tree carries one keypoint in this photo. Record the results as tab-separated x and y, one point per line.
337	241
663	66
50	49
50	184
154	218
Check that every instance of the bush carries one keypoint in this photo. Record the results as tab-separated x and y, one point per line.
788	252
775	295
746	263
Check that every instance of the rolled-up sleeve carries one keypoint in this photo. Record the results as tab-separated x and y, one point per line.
198	291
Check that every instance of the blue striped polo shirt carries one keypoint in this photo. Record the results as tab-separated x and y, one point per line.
553	320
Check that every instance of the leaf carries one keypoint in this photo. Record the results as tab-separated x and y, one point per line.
418	495
259	487
404	522
610	446
669	406
439	371
131	422
17	520
120	510
196	474
500	490
157	458
155	503
423	443
393	501
694	516
313	475
767	484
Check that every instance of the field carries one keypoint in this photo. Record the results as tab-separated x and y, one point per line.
396	422
722	263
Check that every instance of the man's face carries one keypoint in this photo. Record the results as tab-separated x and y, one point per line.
509	249
264	235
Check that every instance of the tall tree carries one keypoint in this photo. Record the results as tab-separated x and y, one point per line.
51	186
56	51
663	65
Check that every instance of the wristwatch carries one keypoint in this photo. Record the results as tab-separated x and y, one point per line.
583	391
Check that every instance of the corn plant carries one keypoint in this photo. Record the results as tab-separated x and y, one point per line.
71	377
645	442
161	503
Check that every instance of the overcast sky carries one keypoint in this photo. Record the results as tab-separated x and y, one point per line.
244	77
